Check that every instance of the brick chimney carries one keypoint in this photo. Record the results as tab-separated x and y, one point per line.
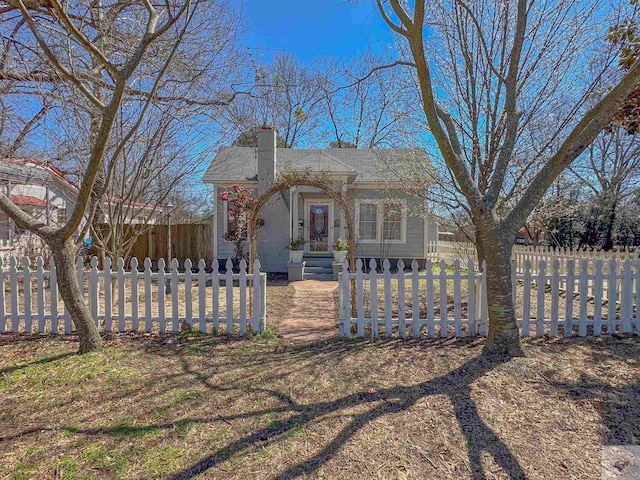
266	137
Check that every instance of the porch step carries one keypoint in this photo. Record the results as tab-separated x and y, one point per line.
318	276
327	270
317	261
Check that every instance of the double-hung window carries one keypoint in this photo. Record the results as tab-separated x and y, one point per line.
368	221
381	221
392	221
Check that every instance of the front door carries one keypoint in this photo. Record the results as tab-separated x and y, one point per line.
318	230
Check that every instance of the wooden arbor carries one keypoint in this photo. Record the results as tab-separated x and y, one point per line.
322	182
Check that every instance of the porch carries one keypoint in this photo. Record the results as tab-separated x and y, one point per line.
316	218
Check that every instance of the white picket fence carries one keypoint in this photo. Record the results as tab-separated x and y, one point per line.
465	251
443	302
522	253
122	300
451	251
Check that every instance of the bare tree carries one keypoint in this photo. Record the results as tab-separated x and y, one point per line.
487	71
286	96
610	170
105	69
367	108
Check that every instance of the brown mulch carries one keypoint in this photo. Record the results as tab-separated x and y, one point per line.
153	406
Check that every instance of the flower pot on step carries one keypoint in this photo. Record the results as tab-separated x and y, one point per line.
339	256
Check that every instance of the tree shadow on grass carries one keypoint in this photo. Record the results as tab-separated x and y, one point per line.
456	385
617	403
40	361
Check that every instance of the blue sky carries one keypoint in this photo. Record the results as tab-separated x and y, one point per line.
308	29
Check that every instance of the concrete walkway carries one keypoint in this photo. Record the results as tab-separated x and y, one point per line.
313	314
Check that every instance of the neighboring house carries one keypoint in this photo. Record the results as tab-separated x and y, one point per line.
524	238
390	223
49	195
38	188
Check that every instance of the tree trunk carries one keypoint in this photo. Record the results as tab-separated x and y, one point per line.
65	258
479	247
504	334
611	220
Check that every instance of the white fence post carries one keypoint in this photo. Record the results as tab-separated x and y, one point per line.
431	322
148	313
611	297
457	299
202	296
541	284
40	287
121	295
13	286
162	304
360	297
568	316
443	299
388	307
526	299
555	297
415	300
373	296
242	286
626	297
135	306
583	291
26	277
215	299
229	295
597	298
402	325
175	296
108	291
188	297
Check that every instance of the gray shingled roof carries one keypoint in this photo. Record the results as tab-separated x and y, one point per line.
371	165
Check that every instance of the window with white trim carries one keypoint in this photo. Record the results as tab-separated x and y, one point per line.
368	221
381	221
392	221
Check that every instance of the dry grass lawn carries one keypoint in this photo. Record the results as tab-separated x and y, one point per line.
259	408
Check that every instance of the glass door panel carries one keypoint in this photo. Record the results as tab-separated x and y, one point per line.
318	228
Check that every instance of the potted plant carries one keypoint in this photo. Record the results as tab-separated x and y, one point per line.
297	249
340	248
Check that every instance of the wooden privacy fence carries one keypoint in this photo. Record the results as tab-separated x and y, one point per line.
188	241
442	301
135	300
